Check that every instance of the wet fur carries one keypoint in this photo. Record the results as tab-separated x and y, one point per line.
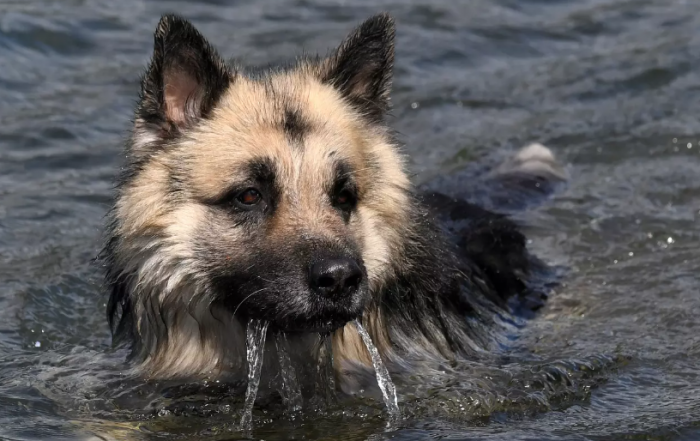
184	274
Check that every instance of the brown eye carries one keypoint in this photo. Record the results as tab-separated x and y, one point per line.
249	196
344	200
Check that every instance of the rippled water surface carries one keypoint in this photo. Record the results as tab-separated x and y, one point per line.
611	85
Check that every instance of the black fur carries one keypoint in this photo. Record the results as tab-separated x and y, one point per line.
295	126
362	67
460	262
344	184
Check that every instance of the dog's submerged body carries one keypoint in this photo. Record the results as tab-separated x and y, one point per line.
282	196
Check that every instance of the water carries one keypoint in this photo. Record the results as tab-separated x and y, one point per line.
291	390
612	86
383	379
255	349
325	378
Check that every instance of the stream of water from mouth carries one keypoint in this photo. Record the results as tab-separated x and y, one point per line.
290	388
325	376
255	344
383	379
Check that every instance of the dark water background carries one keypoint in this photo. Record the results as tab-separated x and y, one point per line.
612	86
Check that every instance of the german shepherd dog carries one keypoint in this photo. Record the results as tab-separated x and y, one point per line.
281	195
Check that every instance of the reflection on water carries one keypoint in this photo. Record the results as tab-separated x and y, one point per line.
610	85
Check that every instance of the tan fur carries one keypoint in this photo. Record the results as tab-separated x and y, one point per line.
245	125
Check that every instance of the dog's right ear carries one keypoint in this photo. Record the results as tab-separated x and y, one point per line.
183	82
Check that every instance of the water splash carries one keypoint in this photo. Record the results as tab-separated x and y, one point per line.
255	343
291	391
325	378
383	379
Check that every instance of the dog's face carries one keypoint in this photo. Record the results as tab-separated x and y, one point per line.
278	196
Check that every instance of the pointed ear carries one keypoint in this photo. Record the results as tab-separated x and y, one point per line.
184	80
362	67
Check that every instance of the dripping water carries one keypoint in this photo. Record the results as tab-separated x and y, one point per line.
291	391
255	343
383	379
325	383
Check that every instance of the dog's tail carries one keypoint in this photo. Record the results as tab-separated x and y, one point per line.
525	179
534	160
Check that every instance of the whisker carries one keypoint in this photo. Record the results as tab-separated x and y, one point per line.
247	297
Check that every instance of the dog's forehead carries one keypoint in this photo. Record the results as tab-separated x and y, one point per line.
290	119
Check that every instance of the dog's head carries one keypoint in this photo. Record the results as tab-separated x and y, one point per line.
278	195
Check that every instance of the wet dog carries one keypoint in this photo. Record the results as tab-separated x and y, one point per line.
281	195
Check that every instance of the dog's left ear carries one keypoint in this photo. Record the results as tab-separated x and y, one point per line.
362	67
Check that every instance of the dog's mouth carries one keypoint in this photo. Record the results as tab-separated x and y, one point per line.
321	326
324	318
317	327
316	316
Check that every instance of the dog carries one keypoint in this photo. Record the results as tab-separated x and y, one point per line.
282	195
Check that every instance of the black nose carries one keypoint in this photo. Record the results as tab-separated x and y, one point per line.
335	278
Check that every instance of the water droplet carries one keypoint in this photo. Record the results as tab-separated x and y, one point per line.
631	254
37	344
615	261
675	140
690	145
670	240
414	105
